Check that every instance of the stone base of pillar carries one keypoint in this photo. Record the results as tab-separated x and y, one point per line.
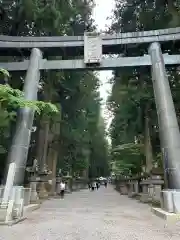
123	189
34	195
3	213
43	194
169	217
52	191
52	194
68	189
144	198
12	210
170	207
132	195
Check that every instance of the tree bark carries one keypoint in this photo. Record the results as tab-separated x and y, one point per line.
42	145
148	147
52	164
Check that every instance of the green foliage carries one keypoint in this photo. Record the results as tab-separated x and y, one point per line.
127	159
14	98
99	156
4	72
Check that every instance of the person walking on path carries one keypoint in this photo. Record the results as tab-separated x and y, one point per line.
62	188
93	186
97	185
105	184
89	185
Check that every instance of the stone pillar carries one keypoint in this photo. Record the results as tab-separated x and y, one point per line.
9	185
20	144
157	192
144	188
151	190
58	181
42	192
34	196
168	125
130	189
136	187
27	196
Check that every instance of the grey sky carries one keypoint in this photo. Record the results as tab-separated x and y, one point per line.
101	12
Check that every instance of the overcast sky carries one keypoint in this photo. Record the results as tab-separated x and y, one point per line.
102	11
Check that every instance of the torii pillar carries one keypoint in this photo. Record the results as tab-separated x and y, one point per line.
168	124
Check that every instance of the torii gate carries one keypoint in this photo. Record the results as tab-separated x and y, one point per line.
94	46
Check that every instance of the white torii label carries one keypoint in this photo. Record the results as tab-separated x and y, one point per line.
92	48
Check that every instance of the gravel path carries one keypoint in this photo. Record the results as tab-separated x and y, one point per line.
99	215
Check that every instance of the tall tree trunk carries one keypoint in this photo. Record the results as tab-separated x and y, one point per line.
148	146
52	164
42	145
42	150
46	126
